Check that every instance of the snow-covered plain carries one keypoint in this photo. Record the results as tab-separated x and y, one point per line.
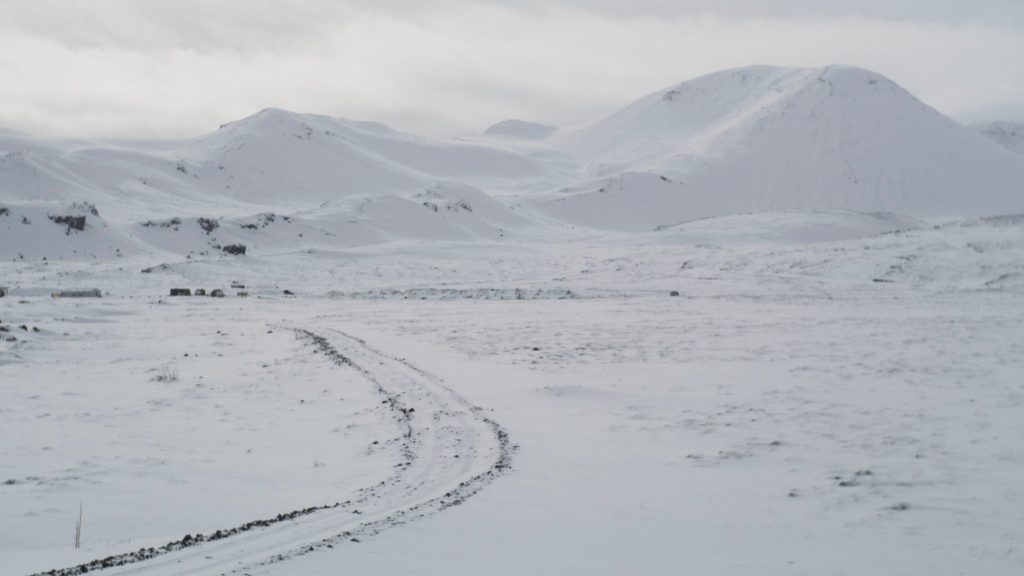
523	352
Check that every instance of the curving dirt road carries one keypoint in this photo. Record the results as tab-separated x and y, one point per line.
449	451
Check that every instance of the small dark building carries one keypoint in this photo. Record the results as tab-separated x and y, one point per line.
3	291
217	293
181	292
200	291
93	293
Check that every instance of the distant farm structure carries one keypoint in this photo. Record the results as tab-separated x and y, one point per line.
215	293
90	293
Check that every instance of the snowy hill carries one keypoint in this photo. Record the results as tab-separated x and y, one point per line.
52	231
519	130
1007	134
271	158
325	181
766	138
277	155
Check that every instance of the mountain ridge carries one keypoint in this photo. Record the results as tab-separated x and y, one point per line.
745	140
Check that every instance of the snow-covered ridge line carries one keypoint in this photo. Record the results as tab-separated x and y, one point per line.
749	140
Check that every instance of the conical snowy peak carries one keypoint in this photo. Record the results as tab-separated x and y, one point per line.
695	116
765	138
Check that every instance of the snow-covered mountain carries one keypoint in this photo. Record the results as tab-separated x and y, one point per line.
277	156
758	139
764	138
519	130
271	158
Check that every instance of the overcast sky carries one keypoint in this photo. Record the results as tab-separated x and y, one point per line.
156	68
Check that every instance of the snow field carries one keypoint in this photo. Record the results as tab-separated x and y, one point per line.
727	436
167	419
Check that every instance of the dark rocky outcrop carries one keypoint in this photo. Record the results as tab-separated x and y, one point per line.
73	222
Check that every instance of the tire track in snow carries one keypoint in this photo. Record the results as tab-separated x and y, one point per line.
449	451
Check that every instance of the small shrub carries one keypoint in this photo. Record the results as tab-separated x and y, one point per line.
166	374
208	224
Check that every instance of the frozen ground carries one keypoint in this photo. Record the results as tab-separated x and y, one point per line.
814	402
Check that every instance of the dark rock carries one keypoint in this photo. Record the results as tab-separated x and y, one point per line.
86	207
170	223
208	224
72	222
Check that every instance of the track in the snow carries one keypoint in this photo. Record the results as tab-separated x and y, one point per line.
449	451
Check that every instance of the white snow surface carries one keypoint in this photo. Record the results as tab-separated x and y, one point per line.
767	322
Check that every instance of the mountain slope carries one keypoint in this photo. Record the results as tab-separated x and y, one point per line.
1010	135
764	138
274	158
277	155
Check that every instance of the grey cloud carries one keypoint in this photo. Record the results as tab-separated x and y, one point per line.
265	25
200	25
956	12
160	68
